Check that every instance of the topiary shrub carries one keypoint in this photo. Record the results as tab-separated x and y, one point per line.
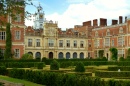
80	67
40	65
54	65
121	59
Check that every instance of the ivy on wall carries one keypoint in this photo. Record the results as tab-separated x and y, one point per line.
8	47
114	53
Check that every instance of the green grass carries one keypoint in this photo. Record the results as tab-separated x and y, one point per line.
26	83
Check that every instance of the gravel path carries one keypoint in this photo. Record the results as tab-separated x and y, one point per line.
7	83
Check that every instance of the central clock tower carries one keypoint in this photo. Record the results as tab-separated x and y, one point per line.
39	18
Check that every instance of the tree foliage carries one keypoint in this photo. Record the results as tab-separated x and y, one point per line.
114	53
27	56
129	52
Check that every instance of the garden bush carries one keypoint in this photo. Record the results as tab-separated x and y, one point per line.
3	70
54	65
40	65
27	56
80	67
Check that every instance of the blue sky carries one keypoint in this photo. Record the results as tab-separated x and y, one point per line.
73	12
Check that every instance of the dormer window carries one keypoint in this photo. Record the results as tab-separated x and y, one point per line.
96	33
120	30
108	32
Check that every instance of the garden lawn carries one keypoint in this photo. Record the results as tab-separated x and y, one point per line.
26	83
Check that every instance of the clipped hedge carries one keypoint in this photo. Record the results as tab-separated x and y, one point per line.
3	70
22	64
122	68
62	79
111	74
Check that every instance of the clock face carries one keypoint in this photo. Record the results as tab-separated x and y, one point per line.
41	16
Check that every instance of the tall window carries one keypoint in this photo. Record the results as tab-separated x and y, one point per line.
96	33
51	43
107	41
81	44
112	42
95	43
2	35
29	42
75	43
120	30
68	43
38	42
120	41
108	32
60	43
17	35
17	53
18	18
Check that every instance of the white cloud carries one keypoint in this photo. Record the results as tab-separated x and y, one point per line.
78	13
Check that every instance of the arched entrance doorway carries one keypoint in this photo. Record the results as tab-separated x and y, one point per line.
60	55
51	55
67	55
81	55
74	55
38	55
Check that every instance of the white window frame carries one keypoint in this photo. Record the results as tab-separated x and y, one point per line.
30	42
75	43
67	43
17	35
81	44
50	42
107	41
2	35
17	53
60	43
38	42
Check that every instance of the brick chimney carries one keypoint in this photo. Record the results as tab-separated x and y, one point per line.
120	19
95	22
87	23
125	19
103	22
114	22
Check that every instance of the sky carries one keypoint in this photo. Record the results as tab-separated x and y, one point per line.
74	12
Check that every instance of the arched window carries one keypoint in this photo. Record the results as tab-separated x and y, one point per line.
81	55
30	53
38	55
74	55
67	55
60	55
